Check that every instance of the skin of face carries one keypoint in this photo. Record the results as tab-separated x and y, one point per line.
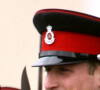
71	77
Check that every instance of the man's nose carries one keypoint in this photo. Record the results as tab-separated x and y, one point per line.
51	81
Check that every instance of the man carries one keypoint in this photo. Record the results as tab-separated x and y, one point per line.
70	49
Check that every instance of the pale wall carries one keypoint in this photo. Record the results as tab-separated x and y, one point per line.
18	39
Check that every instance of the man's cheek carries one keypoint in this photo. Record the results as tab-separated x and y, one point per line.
74	83
70	84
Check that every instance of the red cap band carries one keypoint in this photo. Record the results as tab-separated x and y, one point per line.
72	42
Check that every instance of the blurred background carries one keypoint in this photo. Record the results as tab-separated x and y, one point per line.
19	40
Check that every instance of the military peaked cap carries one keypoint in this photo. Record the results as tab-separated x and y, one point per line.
67	37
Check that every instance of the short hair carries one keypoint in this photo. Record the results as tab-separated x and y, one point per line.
92	66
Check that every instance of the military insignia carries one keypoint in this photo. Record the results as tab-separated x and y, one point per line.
49	37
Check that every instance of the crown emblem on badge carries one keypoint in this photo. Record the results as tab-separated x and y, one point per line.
49	37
